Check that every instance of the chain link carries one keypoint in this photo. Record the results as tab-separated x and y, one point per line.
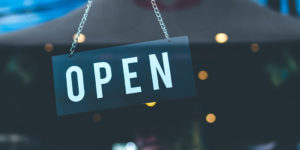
80	27
160	19
85	15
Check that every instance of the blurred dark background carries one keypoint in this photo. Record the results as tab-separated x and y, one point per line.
247	95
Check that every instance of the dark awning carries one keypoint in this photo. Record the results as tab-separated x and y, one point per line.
118	21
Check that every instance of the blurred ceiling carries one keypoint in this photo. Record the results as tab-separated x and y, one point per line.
134	21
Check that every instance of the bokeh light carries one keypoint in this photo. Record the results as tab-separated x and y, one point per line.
255	47
97	117
151	104
48	47
203	75
221	38
211	118
81	38
130	146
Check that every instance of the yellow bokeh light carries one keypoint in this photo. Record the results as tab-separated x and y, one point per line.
221	38
81	38
48	47
203	75
210	118
151	104
255	47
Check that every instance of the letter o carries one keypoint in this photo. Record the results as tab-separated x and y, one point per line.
81	91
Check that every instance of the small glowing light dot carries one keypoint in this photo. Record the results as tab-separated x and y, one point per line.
221	38
151	104
255	47
211	118
203	75
48	47
97	117
81	38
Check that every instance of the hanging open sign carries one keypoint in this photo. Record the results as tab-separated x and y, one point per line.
123	76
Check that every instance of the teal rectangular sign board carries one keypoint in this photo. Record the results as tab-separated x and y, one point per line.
123	76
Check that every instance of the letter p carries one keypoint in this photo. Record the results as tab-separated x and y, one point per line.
100	80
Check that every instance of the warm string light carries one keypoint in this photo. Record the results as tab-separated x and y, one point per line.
210	118
151	104
81	38
48	47
203	75
255	47
221	38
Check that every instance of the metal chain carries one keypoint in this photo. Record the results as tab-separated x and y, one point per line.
80	27
160	19
85	15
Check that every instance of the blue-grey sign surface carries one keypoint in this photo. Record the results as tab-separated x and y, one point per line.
123	76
